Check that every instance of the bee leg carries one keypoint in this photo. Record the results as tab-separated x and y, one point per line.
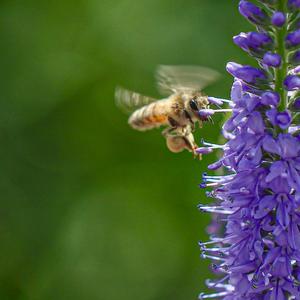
197	155
191	145
187	130
189	137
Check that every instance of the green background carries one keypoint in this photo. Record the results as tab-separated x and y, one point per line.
91	209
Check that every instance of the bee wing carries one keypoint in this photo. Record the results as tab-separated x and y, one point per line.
179	78
129	101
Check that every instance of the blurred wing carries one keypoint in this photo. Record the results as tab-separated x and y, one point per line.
129	101
179	78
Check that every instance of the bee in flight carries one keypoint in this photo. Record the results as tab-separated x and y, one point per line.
178	112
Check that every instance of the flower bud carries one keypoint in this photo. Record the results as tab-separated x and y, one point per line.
296	104
255	43
272	59
278	19
293	39
281	119
295	58
293	5
241	40
270	98
246	73
260	40
292	82
253	13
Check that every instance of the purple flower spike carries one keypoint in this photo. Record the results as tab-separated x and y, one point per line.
292	82
293	39
272	59
258	197
253	13
278	19
270	98
246	73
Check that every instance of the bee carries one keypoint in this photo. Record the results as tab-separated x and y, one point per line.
178	112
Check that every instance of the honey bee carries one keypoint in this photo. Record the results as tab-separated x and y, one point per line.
178	112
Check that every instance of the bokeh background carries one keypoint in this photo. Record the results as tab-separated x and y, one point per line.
91	209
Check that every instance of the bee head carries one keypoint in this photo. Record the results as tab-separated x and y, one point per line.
196	103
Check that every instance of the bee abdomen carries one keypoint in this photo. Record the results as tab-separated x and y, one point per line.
149	116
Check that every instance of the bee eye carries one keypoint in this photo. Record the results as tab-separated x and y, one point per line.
193	105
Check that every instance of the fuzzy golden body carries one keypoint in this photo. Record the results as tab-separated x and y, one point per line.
175	107
151	116
179	112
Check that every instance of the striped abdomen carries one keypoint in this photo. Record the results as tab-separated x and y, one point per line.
150	116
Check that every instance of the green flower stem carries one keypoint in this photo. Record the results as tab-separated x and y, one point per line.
282	71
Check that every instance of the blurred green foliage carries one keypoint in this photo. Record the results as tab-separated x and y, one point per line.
91	209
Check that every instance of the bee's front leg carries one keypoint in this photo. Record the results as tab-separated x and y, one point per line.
190	141
191	145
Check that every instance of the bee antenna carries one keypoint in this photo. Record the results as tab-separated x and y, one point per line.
210	119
